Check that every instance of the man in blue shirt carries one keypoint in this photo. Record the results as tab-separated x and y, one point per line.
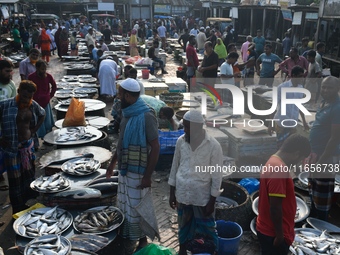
324	138
259	42
268	60
286	44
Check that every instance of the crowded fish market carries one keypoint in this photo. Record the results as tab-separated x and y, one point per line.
169	134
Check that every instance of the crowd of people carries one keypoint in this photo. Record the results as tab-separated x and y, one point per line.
27	116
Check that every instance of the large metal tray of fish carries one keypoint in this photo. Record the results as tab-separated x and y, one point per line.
88	85
65	102
303	177
88	80
302	209
84	76
85	90
313	241
79	67
49	245
98	220
70	79
81	166
43	221
50	184
88	242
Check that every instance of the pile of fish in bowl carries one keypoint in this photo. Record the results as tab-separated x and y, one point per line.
314	242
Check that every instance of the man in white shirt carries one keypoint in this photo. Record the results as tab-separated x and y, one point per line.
193	188
228	76
201	38
162	34
90	39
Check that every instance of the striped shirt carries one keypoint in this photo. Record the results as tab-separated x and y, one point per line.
8	116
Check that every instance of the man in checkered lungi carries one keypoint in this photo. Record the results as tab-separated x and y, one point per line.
20	118
323	163
136	154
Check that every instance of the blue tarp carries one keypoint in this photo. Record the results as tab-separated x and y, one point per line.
162	17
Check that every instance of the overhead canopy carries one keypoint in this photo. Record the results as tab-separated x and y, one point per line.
162	17
44	16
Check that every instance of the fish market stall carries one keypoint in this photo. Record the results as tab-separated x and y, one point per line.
93	121
93	107
53	160
73	136
65	240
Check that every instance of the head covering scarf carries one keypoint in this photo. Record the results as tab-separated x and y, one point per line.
220	49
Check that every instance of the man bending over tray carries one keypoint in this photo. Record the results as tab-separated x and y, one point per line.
193	188
20	118
137	154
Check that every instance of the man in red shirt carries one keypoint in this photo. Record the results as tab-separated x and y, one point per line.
192	59
277	204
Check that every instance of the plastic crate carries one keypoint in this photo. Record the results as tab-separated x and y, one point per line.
167	140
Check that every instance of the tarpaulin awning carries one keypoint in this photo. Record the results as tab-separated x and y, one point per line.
287	15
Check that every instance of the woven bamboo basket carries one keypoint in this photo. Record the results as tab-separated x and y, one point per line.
242	213
172	99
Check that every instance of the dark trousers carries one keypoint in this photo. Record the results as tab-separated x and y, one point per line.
158	60
266	81
267	247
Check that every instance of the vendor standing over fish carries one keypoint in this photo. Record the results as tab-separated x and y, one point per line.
277	203
46	88
137	154
20	118
324	138
194	192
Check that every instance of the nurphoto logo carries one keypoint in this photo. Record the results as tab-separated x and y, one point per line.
239	105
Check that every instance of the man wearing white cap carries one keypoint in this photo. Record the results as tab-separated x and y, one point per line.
137	154
193	186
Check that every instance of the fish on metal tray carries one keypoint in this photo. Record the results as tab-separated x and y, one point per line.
103	180
48	245
98	221
105	187
50	183
307	242
83	193
42	222
81	240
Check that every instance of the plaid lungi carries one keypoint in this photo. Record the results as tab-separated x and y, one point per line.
128	197
21	172
191	221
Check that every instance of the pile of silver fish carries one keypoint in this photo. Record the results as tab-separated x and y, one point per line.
48	245
308	243
105	185
82	166
53	183
83	193
43	221
101	220
89	242
73	134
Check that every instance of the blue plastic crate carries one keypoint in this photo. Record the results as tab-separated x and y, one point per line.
167	140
